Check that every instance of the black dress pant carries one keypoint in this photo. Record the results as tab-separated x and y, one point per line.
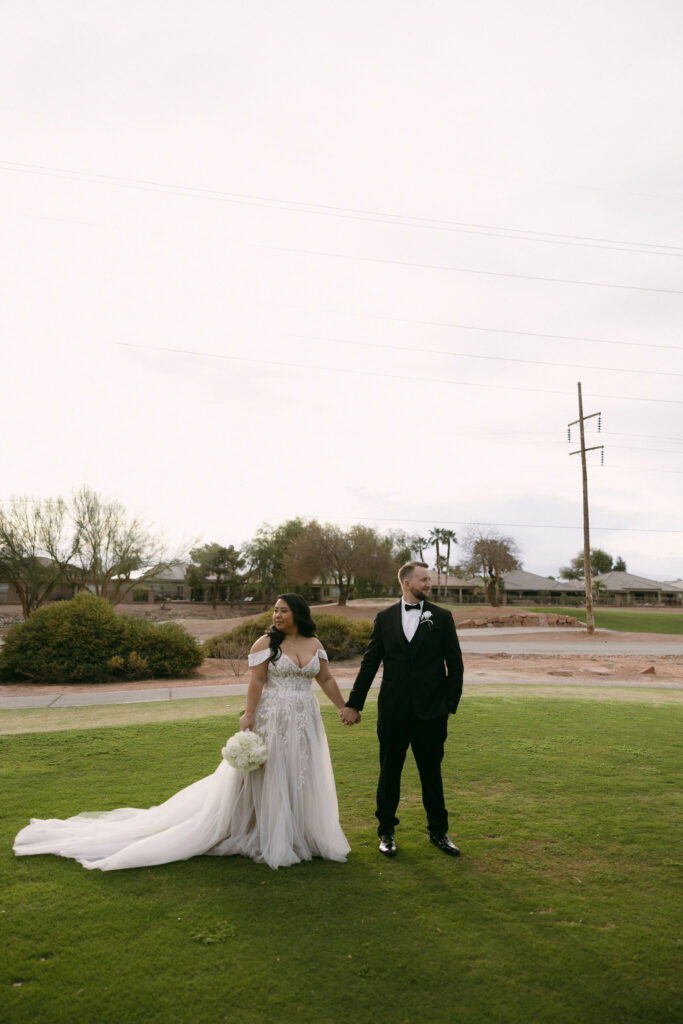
427	738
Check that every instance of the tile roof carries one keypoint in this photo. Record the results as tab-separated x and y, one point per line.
621	582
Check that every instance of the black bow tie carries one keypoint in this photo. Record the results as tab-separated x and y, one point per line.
412	607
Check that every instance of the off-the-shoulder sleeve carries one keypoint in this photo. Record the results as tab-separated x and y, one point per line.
258	657
322	653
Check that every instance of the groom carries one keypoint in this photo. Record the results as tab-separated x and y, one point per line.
421	688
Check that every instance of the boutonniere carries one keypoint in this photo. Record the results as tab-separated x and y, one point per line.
426	617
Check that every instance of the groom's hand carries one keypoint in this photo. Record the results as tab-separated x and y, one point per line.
349	716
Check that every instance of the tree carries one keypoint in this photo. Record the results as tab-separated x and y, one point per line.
112	552
33	551
401	546
601	563
326	551
448	537
417	545
400	549
265	555
437	536
217	567
489	555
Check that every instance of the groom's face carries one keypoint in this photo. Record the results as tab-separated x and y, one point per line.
418	583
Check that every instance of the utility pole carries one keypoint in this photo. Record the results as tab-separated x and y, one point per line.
590	621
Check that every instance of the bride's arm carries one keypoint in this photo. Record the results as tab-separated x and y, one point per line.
256	683
328	684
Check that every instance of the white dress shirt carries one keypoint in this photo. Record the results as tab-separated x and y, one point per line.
410	620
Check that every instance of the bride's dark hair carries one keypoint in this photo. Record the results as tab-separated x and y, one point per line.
302	620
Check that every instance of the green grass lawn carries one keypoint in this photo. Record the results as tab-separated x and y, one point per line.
625	620
561	908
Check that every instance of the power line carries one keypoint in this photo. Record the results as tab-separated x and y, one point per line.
472	355
352	213
647	437
633	448
470	270
493	330
513	439
536	434
370	373
478	522
553	433
645	469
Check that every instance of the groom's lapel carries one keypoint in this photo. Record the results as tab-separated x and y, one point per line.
422	629
398	626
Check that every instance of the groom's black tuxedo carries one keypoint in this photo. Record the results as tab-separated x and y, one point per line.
421	686
423	677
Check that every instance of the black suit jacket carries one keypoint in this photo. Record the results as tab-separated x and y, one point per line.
423	677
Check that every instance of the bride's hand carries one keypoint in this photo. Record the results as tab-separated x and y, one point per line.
246	721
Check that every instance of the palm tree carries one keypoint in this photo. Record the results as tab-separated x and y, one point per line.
448	537
419	544
436	537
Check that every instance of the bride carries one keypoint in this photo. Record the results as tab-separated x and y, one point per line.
280	814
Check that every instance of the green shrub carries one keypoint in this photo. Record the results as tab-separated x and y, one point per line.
361	630
141	594
85	641
341	637
228	645
167	649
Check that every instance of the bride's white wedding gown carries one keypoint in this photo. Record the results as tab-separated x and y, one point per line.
280	814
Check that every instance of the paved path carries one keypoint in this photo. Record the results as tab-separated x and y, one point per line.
164	693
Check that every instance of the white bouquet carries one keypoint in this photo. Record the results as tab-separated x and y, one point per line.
245	751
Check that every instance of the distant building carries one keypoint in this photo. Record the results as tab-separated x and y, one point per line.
169	584
522	585
627	589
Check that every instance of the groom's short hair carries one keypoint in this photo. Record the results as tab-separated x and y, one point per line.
407	570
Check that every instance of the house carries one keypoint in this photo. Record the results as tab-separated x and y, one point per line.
8	594
518	585
168	584
521	585
624	588
455	590
62	591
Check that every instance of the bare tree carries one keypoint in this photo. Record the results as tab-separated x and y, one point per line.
489	555
34	554
326	551
112	552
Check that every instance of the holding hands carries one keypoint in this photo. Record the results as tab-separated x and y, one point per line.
349	716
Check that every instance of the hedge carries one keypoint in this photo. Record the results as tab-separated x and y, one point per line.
342	638
85	641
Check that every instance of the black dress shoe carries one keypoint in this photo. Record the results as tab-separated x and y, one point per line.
445	843
387	845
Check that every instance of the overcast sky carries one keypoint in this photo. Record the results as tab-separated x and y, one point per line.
366	230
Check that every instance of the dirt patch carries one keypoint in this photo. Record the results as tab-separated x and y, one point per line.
594	668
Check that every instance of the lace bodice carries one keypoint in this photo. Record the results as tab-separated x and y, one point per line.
287	713
286	673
